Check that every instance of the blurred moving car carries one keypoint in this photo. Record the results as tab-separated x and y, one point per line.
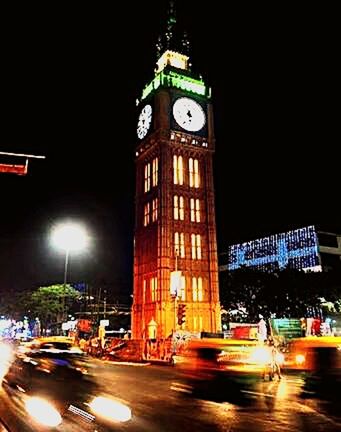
303	351
223	369
52	342
320	359
50	382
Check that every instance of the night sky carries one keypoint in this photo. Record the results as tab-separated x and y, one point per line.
70	78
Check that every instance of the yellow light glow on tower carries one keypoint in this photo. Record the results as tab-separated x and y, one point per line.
172	58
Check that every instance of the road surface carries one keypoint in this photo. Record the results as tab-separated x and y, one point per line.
158	406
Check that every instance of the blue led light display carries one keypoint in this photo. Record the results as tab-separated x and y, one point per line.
296	249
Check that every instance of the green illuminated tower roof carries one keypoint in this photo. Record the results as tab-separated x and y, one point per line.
172	66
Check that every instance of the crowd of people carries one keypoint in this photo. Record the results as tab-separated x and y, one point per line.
317	327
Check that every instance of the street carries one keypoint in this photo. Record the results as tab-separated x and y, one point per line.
151	393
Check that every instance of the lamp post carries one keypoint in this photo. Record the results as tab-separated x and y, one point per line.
69	237
175	287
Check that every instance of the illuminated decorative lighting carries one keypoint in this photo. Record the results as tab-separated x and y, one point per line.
172	58
187	83
169	78
295	249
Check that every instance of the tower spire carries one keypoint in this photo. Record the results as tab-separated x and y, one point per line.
171	21
166	41
172	47
185	44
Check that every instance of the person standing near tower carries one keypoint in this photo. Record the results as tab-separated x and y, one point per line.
262	330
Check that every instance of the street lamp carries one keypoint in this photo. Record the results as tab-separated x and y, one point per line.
69	237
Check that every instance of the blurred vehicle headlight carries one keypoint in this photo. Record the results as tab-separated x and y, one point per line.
43	412
300	359
110	409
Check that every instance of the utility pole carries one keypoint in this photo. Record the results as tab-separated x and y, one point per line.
86	298
91	305
177	289
98	303
64	285
105	304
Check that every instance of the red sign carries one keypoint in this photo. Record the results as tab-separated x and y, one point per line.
241	332
244	332
84	325
13	169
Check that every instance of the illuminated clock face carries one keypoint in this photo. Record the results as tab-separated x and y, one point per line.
189	114
144	122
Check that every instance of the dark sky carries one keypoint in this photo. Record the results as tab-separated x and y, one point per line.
69	80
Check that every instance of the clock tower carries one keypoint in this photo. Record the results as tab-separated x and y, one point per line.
175	249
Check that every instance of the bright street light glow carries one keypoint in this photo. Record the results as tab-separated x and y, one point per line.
70	237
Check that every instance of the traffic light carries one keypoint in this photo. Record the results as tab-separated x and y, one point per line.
181	313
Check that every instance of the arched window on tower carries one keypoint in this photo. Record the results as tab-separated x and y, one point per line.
155	172
155	209
196	174
153	289
195	210
197	289
178	170
193	173
146	218
179	244
176	207
196	246
179	207
147	177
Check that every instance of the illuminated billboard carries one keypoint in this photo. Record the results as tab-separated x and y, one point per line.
297	249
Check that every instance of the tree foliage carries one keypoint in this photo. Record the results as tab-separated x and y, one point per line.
245	293
49	303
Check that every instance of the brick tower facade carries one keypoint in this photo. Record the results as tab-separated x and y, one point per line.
175	249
